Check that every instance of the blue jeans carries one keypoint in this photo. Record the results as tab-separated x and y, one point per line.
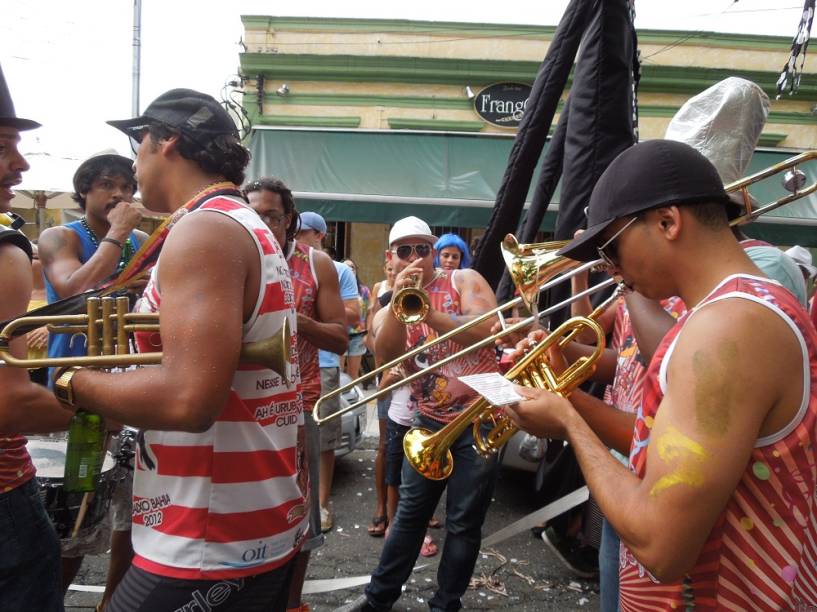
29	553
470	487
608	568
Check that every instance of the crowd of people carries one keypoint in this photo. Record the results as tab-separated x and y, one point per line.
711	411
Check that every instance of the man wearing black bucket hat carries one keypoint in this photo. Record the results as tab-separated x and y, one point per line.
219	508
717	506
29	551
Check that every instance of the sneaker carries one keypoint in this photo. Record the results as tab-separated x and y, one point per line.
580	559
361	604
327	520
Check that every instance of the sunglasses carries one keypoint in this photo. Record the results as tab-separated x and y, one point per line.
608	251
404	251
136	135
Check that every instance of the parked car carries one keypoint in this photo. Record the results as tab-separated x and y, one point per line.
353	423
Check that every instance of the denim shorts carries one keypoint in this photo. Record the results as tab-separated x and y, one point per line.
357	347
383	404
394	452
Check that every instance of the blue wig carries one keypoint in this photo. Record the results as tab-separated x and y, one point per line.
452	240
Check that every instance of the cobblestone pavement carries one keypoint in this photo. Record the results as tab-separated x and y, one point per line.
518	574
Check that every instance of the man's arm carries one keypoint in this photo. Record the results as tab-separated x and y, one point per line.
476	298
328	331
650	323
60	249
25	407
201	329
349	295
714	410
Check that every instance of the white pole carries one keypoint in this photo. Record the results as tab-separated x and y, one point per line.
137	55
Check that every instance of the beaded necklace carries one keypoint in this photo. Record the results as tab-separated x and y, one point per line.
127	247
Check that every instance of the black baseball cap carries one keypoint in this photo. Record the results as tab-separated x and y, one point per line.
648	175
193	113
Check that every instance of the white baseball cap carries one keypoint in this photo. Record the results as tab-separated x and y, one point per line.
411	227
802	257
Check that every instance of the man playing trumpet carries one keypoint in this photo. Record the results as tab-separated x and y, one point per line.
453	297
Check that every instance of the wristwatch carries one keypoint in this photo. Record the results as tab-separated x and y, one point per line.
62	385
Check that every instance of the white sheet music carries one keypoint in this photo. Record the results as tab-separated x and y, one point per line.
494	387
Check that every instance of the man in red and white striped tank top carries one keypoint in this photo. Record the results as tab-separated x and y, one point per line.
29	549
321	325
219	500
717	508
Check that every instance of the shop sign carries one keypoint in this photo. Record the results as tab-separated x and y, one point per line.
502	104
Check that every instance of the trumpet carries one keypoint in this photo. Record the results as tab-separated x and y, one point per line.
429	453
411	305
107	325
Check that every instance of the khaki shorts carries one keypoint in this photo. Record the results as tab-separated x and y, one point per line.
331	431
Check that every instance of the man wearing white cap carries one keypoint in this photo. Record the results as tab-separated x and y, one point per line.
455	296
312	232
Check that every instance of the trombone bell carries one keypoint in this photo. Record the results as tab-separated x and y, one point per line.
531	265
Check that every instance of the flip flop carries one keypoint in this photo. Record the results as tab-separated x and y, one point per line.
378	527
429	548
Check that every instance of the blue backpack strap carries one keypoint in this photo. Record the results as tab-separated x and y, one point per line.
16	238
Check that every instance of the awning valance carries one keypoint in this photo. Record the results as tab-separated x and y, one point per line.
450	179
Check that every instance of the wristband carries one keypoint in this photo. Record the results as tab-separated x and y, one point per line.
62	385
113	241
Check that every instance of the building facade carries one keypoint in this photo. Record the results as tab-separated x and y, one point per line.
371	120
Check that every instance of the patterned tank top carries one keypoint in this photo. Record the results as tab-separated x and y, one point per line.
760	555
231	501
305	284
16	467
440	395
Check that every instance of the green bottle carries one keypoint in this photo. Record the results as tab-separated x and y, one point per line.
86	446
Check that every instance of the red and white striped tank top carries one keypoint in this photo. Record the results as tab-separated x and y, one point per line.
440	395
762	552
305	284
228	502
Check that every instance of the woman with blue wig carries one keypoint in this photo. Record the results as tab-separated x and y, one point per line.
451	253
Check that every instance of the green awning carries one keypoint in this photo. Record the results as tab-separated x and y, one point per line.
450	179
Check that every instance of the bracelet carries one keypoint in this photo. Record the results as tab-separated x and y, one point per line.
113	241
62	385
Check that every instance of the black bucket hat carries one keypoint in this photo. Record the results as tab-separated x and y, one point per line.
194	114
9	118
648	175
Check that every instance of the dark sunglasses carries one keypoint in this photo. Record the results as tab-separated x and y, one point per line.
404	251
608	251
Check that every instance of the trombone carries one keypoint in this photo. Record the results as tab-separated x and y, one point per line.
536	267
107	325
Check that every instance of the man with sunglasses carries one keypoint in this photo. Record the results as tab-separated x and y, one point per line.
219	504
311	232
321	325
716	509
455	297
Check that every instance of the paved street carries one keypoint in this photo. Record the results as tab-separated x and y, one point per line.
518	574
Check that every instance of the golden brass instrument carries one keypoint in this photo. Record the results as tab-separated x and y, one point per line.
577	268
410	305
532	264
107	326
429	453
794	182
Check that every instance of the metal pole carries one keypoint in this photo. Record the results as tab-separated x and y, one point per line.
137	55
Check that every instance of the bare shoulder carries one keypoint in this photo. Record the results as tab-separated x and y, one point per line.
16	268
208	237
324	269
55	241
379	317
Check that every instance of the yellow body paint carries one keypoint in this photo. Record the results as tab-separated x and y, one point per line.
689	456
